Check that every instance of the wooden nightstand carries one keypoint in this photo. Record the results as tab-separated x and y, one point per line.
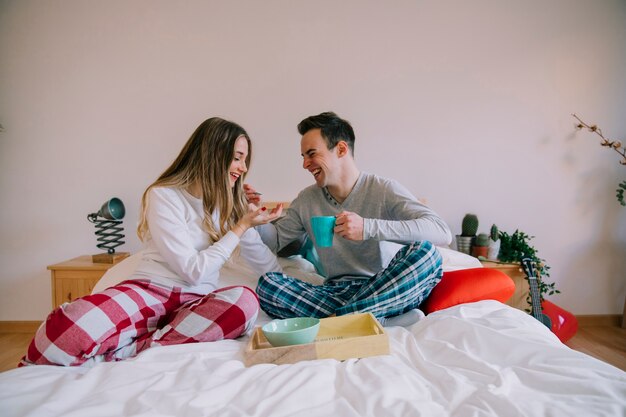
75	278
518	299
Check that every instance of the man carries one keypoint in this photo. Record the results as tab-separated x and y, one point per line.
383	259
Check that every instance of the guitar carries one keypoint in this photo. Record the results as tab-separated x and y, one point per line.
535	298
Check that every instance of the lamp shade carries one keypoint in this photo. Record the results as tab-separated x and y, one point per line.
112	209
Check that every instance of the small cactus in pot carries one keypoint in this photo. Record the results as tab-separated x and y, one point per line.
494	244
469	227
482	240
494	233
481	245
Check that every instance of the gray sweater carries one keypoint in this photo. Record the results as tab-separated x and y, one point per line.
392	218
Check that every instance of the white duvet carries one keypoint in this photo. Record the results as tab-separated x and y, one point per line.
480	359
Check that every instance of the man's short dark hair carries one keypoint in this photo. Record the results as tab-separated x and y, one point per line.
333	129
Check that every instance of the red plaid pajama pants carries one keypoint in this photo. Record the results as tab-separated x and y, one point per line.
134	315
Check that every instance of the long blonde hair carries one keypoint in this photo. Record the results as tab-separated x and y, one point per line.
206	159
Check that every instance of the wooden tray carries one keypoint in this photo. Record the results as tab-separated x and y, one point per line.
343	337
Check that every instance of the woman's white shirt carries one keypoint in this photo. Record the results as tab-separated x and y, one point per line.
178	252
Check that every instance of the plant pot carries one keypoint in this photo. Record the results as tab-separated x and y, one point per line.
464	243
480	251
494	250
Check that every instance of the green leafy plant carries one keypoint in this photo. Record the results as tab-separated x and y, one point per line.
620	193
514	247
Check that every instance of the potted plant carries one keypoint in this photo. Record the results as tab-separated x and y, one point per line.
469	227
481	245
515	247
494	243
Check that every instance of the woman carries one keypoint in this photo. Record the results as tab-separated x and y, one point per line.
192	219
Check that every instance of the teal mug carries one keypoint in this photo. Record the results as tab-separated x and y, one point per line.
323	230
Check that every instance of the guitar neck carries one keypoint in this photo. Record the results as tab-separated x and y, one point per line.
535	297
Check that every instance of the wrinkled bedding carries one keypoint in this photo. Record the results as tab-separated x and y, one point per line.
479	359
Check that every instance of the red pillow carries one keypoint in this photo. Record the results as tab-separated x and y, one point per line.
468	286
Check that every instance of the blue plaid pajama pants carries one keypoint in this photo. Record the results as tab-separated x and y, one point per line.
403	285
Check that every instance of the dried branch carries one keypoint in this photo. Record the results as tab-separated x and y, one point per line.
616	145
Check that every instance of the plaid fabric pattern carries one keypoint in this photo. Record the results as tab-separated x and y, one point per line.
123	320
403	285
282	296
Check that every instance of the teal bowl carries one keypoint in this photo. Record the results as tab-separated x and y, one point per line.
296	331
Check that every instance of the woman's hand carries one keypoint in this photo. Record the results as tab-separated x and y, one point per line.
255	217
252	195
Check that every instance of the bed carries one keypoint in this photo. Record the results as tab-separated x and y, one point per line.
479	358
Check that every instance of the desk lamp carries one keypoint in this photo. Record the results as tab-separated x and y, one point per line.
108	221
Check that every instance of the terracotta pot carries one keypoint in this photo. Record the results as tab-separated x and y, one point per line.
480	251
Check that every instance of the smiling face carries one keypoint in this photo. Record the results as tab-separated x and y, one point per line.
320	161
238	165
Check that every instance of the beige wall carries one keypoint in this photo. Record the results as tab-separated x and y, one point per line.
466	103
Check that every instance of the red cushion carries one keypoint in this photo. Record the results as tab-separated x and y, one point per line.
468	286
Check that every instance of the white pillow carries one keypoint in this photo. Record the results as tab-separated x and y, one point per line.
237	272
454	260
118	273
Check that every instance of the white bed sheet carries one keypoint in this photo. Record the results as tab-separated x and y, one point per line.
479	359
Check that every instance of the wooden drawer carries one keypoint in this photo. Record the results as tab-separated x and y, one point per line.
69	285
75	278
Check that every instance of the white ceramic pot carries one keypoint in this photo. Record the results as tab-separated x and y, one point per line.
494	250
